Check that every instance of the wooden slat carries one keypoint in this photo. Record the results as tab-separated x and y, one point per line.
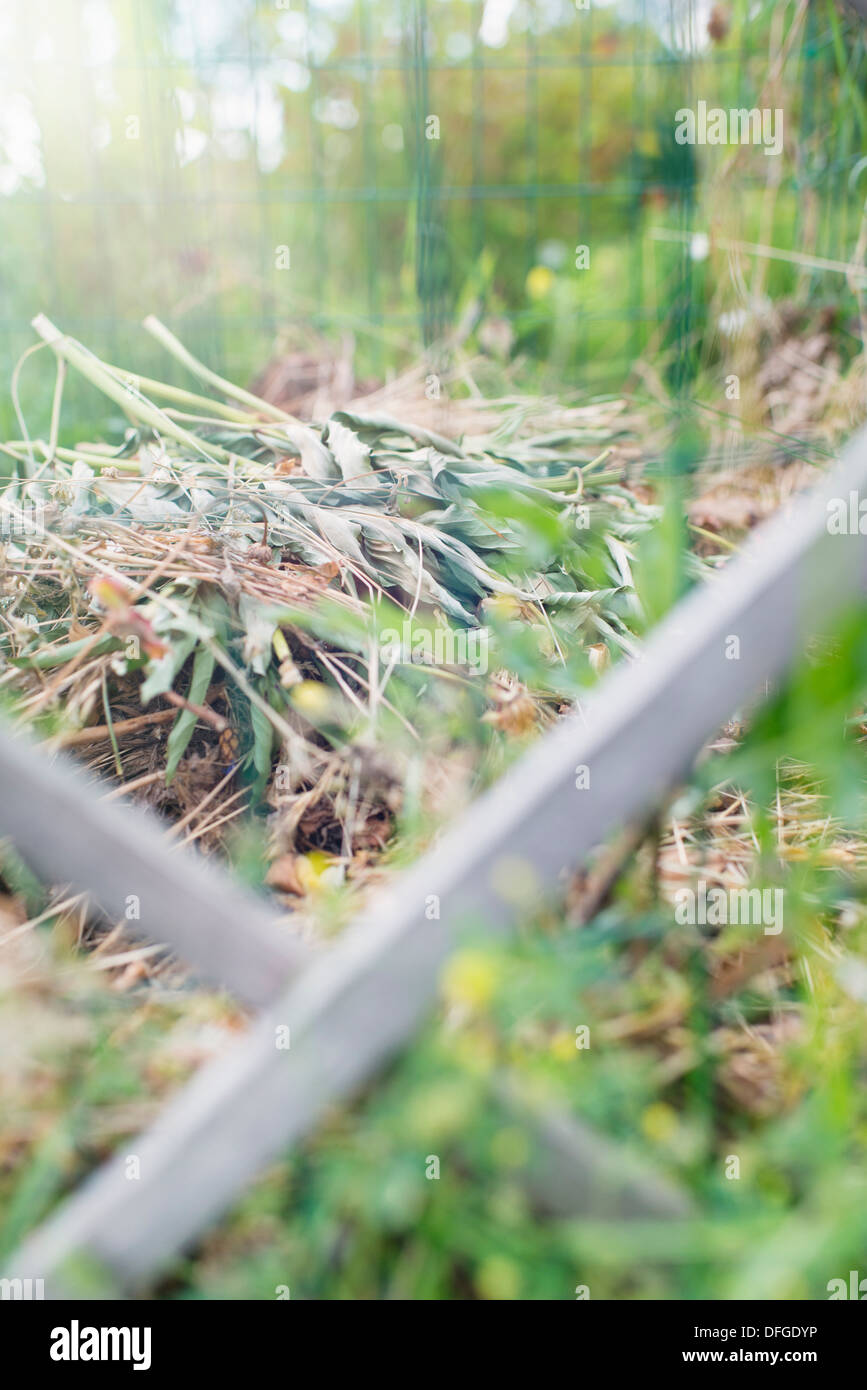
356	1005
53	816
573	1171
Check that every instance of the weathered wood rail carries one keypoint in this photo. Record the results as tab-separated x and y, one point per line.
353	1005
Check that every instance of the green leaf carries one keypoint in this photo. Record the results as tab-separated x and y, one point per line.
182	729
260	620
263	739
351	453
161	673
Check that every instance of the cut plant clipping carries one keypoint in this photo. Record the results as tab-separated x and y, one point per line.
306	585
433	849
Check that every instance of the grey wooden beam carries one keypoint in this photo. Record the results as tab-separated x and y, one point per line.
357	1004
53	816
574	1171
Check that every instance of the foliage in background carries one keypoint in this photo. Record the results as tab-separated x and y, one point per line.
157	157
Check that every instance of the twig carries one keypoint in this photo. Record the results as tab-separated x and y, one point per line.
99	733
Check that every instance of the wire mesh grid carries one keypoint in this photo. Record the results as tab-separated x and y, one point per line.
260	172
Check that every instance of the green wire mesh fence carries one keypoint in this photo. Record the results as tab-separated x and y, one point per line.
260	173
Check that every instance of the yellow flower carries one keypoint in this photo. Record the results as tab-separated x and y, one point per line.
470	978
316	870
313	699
659	1122
498	1278
539	282
562	1046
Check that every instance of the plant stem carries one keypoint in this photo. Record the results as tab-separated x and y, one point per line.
183	397
136	405
173	345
